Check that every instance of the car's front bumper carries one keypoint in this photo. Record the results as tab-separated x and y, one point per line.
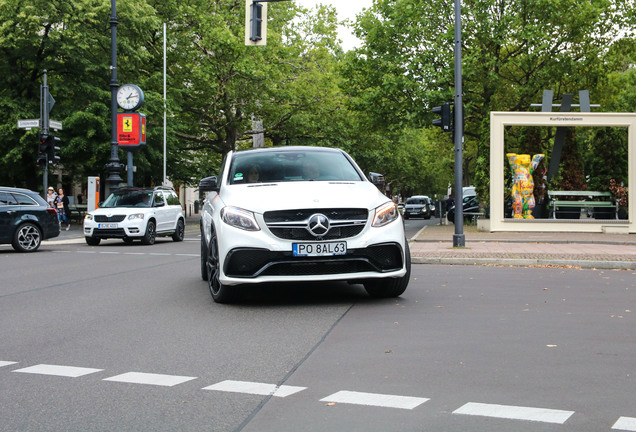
259	256
127	229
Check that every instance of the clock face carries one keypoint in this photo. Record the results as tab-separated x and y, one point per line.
129	97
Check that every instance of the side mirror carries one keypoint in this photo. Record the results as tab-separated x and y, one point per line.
159	204
209	184
376	179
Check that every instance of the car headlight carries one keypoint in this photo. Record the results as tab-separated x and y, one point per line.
136	216
385	214
239	218
88	216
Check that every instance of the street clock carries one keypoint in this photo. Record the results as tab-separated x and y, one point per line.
130	97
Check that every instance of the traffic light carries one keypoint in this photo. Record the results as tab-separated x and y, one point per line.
41	161
43	145
53	148
446	120
256	21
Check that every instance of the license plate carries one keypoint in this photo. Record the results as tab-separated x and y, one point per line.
107	225
319	249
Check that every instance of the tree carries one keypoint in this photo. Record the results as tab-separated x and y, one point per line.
512	50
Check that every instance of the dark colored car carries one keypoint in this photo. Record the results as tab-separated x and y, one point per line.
470	208
418	206
26	219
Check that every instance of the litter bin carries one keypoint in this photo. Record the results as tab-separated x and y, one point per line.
196	206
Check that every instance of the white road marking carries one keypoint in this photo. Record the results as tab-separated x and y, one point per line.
66	371
625	423
515	412
6	363
375	399
255	388
151	379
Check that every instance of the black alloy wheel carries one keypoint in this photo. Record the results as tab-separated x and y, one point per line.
151	234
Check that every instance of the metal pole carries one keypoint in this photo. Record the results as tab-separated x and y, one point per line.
458	238
164	106
113	166
130	169
44	129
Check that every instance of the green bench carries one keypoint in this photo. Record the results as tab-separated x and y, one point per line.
588	199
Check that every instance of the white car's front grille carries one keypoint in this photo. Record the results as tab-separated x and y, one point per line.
297	224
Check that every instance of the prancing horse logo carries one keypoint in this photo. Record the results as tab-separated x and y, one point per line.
318	225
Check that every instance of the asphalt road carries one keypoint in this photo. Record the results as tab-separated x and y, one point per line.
127	338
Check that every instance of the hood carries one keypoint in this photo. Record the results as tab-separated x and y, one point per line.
263	197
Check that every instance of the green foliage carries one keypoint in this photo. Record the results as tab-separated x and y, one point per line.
375	102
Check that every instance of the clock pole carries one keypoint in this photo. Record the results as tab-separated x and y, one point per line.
113	166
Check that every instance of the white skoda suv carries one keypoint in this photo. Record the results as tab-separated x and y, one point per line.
136	213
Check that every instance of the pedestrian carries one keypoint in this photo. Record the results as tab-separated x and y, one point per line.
63	212
50	197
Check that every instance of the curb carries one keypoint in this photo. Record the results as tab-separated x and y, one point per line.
607	265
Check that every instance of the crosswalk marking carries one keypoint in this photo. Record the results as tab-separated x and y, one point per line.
149	378
375	399
262	389
625	423
515	412
347	397
56	370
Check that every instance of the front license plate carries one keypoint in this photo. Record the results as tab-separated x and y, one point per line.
319	249
107	225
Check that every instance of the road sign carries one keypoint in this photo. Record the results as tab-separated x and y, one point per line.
29	123
54	124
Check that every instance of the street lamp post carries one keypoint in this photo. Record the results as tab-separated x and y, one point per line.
458	238
113	166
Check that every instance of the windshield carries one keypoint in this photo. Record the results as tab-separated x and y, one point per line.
128	198
286	166
416	201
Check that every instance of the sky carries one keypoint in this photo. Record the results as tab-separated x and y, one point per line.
347	9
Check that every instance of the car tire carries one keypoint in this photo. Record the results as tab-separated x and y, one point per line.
151	234
220	293
179	232
204	258
390	287
27	238
92	241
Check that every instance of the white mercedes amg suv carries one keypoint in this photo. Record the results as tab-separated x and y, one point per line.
298	214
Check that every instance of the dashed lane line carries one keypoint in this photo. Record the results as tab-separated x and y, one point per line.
6	363
515	412
150	379
65	371
625	424
375	399
255	388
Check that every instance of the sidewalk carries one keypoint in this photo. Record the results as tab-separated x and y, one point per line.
434	245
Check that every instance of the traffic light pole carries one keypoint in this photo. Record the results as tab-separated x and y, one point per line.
458	238
44	130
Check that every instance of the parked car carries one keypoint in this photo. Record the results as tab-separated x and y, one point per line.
417	206
26	219
136	213
470	207
311	215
